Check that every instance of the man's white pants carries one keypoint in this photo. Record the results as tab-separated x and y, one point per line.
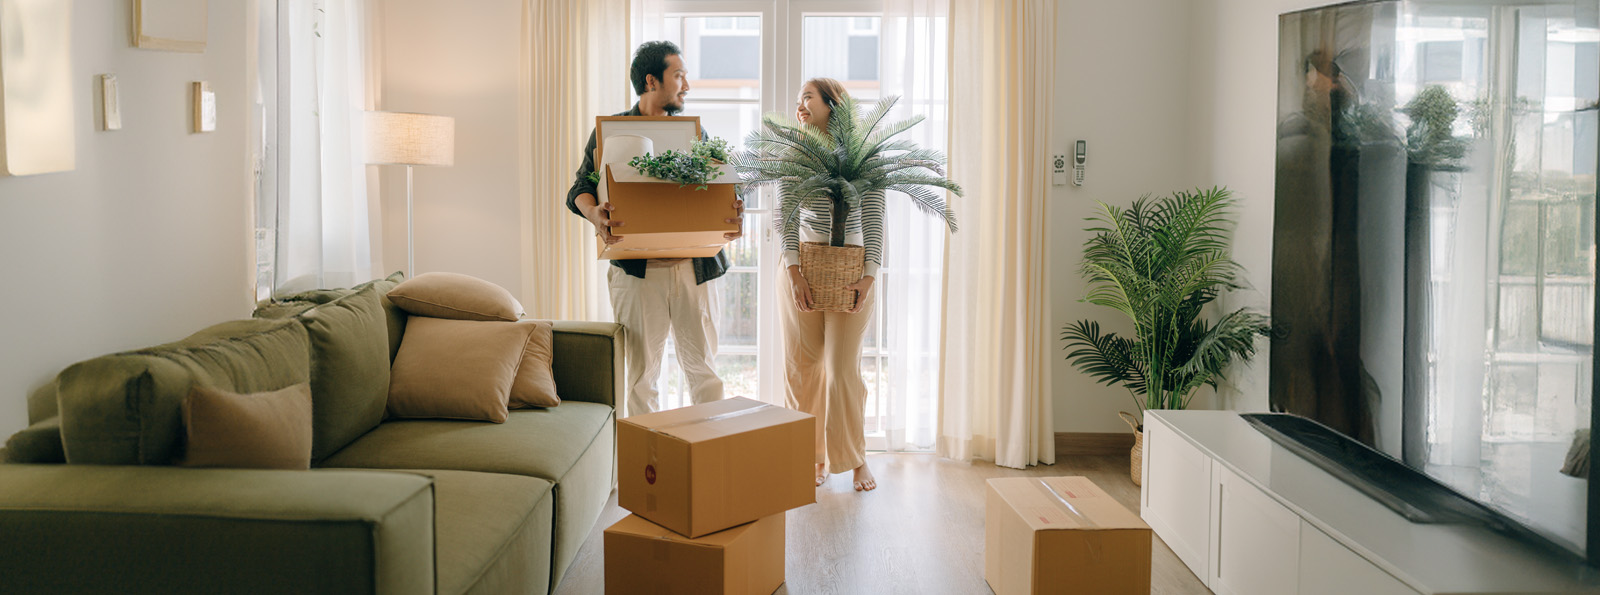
666	300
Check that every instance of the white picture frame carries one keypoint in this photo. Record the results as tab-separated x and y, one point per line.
36	87
110	103
170	25
205	107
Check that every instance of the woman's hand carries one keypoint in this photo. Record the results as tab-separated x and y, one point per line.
862	288
800	289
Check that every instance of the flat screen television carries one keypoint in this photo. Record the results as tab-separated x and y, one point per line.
1433	268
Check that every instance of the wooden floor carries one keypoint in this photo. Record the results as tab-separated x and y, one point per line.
919	533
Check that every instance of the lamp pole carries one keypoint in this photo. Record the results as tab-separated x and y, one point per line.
411	238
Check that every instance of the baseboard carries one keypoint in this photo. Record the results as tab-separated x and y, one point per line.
1093	443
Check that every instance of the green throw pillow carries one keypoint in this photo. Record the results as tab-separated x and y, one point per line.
349	369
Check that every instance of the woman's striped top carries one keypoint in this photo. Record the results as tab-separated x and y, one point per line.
864	227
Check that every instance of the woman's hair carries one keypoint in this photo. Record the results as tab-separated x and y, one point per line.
831	92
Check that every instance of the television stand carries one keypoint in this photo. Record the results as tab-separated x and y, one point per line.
1249	515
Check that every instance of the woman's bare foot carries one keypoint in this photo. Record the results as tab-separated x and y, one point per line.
864	481
822	473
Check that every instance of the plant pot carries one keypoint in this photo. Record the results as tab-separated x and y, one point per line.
1136	456
829	270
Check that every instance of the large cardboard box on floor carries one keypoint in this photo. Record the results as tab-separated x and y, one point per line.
1062	535
643	557
705	468
661	219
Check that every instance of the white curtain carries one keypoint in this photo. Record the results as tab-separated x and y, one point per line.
326	215
995	395
914	65
575	57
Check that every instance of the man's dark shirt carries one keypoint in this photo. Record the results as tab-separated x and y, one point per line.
705	268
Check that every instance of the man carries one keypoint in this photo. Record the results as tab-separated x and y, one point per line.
656	296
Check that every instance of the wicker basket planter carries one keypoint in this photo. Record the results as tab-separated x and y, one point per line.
1137	454
829	270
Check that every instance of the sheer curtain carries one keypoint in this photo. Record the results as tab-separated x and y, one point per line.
914	65
325	213
575	57
995	396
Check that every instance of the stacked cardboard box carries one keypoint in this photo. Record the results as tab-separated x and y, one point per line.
1062	535
708	486
662	219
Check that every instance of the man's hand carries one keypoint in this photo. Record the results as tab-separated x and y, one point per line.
861	288
600	216
738	219
800	290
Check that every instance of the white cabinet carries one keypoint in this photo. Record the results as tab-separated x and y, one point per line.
1329	568
1176	500
1257	540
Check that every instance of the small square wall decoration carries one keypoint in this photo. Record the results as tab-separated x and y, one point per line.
36	87
205	107
172	25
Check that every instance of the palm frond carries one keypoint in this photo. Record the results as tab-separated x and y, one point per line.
1159	262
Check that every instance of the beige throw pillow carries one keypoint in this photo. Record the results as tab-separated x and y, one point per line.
457	369
535	385
270	430
456	297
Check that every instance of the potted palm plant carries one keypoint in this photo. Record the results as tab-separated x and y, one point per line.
833	171
1160	263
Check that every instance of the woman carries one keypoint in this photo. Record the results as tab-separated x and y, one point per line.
823	371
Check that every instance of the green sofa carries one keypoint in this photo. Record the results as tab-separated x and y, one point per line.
91	498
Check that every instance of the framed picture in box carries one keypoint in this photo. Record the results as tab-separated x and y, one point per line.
676	133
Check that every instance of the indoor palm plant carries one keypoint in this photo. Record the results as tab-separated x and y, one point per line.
1160	263
833	171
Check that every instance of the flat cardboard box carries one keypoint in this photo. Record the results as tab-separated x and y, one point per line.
643	557
1062	535
705	468
662	219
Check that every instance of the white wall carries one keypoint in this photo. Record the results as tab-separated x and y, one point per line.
147	240
460	61
1124	83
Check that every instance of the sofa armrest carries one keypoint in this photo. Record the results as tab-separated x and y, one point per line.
587	361
127	529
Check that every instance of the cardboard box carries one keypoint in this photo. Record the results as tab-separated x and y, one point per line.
643	557
1062	535
702	469
662	220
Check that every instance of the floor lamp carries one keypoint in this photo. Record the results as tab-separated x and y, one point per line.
400	138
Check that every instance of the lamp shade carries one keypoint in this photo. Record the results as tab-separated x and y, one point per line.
400	138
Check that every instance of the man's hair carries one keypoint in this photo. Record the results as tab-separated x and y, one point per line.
651	60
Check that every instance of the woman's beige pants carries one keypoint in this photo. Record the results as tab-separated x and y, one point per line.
823	373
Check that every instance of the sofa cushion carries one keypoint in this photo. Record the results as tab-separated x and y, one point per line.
297	303
124	409
492	532
394	317
457	369
542	443
572	445
268	430
535	385
349	369
457	297
38	443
